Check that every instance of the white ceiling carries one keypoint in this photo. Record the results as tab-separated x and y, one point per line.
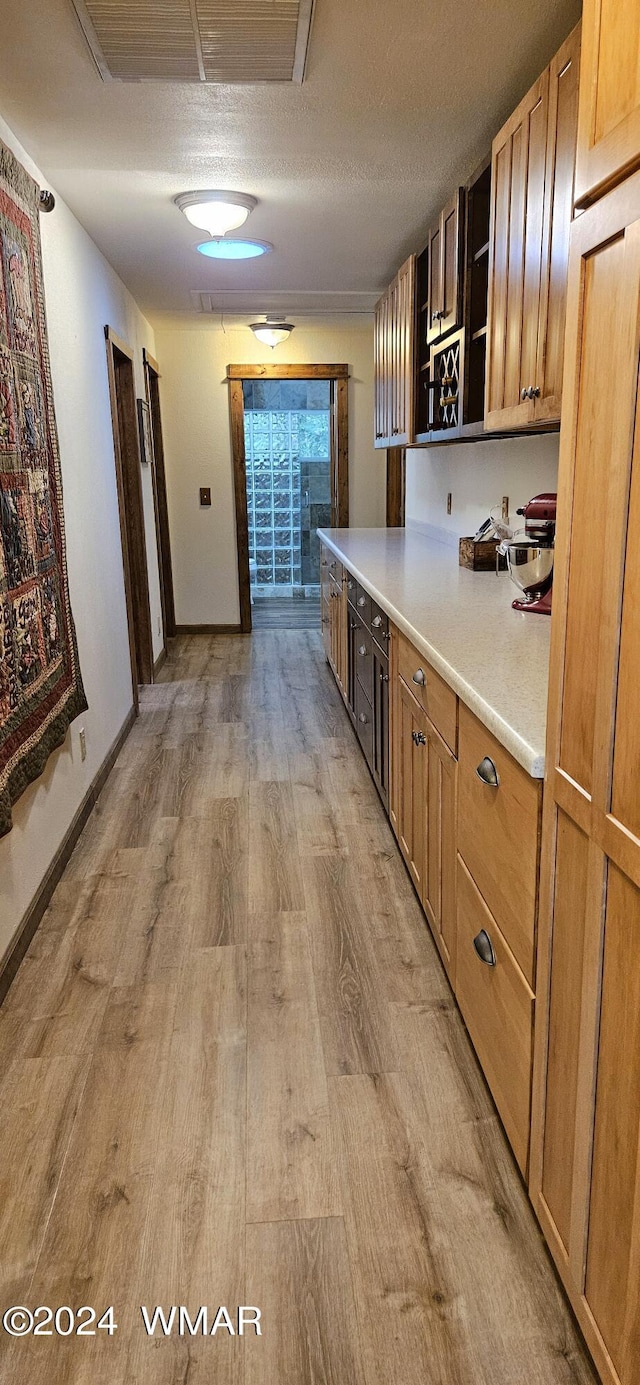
400	102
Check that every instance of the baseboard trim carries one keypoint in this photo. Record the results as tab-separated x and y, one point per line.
42	898
208	629
161	659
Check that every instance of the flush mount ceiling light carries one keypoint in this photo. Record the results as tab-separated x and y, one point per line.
216	212
272	331
234	249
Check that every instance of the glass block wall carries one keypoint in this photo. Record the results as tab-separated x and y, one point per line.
287	447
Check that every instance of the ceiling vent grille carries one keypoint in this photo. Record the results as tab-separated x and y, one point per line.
197	40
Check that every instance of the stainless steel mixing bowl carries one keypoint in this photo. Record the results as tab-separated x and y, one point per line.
530	565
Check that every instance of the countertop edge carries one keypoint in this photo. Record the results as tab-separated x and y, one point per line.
530	759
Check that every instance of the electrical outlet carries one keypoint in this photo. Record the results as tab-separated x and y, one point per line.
82	736
505	508
449	503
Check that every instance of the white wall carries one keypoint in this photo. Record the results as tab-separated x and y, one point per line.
195	415
82	294
478	475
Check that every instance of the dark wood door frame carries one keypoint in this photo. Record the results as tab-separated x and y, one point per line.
161	508
126	444
338	376
396	485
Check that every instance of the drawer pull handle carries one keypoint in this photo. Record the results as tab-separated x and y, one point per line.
386	635
420	678
418	738
362	600
384	677
484	948
377	621
362	649
353	625
488	773
363	718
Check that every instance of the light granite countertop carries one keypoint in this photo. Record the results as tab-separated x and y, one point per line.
495	658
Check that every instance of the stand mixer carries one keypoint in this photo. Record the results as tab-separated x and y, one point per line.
530	559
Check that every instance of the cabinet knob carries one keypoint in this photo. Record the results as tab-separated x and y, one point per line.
350	583
524	393
534	392
484	948
487	772
384	677
377	621
418	738
395	431
379	435
362	649
386	635
362	600
420	678
363	718
353	625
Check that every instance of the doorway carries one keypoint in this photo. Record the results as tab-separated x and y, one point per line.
158	476
130	505
290	451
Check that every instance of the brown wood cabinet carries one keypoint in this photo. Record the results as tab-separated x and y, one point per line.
394	338
533	161
609	120
333	605
445	270
585	1179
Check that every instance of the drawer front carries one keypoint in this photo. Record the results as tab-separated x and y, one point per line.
364	723
497	1005
379	625
363	653
352	588
439	701
335	568
363	604
498	829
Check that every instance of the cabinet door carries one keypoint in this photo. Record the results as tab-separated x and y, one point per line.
325	603
405	313
395	733
515	259
586	1138
609	118
379	395
380	765
564	75
435	283
411	803
451	223
438	889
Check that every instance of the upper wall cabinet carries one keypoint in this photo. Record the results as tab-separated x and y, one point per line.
533	162
445	270
609	120
394	359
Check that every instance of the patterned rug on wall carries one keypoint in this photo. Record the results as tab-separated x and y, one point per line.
40	683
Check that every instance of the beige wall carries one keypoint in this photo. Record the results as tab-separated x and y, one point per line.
82	294
195	412
477	474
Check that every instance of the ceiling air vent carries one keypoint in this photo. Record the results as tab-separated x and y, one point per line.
197	40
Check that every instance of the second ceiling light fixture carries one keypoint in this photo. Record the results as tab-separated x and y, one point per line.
218	213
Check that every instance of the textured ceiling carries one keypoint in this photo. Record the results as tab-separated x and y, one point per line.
400	101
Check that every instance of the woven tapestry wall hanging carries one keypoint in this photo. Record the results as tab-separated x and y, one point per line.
40	683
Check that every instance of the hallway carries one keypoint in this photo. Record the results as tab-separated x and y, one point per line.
232	1072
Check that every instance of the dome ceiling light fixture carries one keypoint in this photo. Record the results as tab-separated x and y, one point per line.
216	212
272	331
229	249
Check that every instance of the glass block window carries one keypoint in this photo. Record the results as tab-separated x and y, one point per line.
277	442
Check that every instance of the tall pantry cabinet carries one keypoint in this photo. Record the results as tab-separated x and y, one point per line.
585	1170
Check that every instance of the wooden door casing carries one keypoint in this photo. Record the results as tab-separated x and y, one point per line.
585	1179
609	116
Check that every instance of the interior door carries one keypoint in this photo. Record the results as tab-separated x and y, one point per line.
515	260
586	1138
609	120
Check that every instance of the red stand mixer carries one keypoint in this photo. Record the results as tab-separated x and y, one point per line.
530	559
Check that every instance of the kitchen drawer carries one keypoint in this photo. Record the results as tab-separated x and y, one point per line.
335	568
363	604
379	625
364	723
498	830
352	588
439	701
363	653
497	1005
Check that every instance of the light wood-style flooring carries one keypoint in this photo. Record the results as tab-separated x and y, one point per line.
285	612
232	1072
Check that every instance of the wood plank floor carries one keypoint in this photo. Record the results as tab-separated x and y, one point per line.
232	1072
